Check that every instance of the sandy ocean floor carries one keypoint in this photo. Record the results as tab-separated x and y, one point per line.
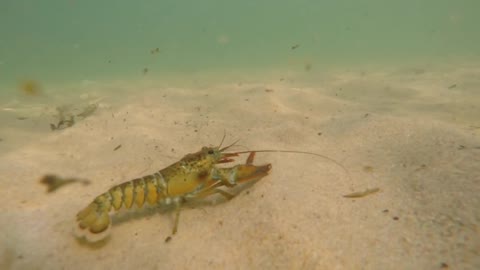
412	133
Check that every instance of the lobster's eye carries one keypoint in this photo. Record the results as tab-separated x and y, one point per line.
210	152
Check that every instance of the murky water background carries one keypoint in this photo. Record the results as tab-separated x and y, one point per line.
65	40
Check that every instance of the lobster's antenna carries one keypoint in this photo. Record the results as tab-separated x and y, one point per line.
226	147
223	138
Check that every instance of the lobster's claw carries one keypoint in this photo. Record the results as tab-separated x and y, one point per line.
251	172
226	157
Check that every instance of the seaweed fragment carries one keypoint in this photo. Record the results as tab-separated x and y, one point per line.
53	182
87	111
361	194
66	118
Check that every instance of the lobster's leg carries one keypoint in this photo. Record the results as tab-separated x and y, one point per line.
213	189
177	217
210	191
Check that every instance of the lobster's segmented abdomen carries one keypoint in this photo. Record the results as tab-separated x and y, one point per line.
94	220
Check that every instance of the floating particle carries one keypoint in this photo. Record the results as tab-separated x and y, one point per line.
308	67
30	88
368	169
361	194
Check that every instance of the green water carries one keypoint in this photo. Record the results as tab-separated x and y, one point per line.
70	40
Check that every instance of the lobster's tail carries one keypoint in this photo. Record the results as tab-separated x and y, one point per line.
93	222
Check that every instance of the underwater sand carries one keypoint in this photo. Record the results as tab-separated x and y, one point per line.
412	133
